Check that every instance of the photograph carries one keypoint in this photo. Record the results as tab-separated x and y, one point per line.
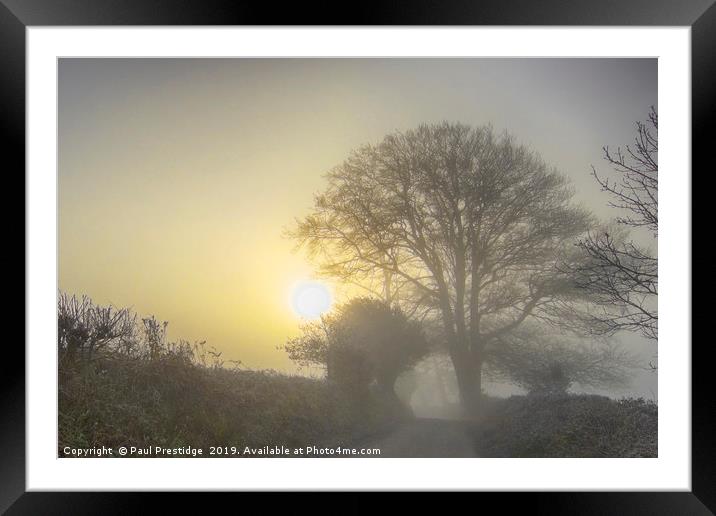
369	257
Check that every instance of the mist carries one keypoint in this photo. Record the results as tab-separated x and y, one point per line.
436	241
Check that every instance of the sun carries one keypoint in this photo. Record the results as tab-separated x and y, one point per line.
311	299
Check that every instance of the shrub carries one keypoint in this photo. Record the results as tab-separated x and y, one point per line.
84	329
364	341
536	359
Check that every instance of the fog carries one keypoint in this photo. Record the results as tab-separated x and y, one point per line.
439	215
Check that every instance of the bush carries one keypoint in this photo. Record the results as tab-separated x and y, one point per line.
540	361
364	341
138	389
84	329
567	426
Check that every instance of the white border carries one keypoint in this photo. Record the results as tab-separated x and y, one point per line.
671	470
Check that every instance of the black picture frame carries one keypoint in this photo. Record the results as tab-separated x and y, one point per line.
16	15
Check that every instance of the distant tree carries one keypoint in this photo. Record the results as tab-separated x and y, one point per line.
622	275
542	362
467	225
363	341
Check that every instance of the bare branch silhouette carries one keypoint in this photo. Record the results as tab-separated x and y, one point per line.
622	275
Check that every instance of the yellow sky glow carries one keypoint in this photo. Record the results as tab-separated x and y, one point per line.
178	177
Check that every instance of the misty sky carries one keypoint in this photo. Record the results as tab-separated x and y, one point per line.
178	176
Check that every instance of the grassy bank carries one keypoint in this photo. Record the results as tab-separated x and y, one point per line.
567	426
171	402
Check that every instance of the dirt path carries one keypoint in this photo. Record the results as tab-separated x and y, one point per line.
426	438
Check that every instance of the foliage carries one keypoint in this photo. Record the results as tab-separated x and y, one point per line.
362	341
568	426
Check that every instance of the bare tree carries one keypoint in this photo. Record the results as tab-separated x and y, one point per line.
470	226
623	275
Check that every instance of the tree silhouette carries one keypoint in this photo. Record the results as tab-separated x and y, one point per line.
468	225
362	341
622	275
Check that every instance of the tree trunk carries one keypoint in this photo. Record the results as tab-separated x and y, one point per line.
469	382
469	377
468	372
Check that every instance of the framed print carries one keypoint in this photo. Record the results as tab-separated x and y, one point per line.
418	253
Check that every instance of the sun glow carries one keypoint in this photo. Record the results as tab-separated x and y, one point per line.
310	300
